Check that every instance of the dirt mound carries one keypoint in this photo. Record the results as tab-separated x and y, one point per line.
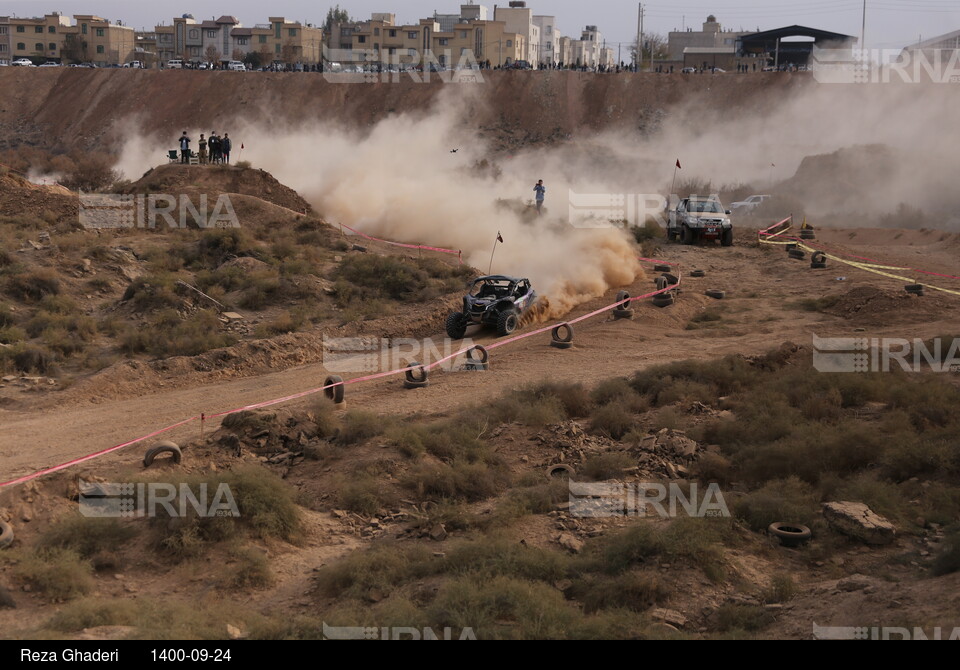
840	180
19	197
885	305
216	180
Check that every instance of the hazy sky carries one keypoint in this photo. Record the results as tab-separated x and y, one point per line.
890	23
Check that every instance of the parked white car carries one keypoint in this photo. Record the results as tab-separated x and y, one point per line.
748	205
176	64
236	66
50	64
23	62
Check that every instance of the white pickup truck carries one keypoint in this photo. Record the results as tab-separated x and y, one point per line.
750	204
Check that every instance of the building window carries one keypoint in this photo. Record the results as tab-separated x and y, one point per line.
51	29
211	33
263	39
463	34
393	33
412	53
20	29
276	48
52	46
3	30
376	32
292	32
194	34
509	43
392	50
3	47
376	46
99	48
38	29
38	46
242	41
83	28
444	41
99	32
412	35
362	39
21	46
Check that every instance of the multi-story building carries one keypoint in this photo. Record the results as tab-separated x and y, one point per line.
94	39
145	48
549	39
712	36
216	37
519	19
588	51
5	40
288	42
39	38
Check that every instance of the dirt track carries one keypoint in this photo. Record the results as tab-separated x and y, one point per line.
756	317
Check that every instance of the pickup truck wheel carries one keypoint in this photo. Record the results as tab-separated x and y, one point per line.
456	326
671	235
688	235
507	323
726	239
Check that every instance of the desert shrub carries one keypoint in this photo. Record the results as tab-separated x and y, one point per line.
600	467
573	397
789	500
650	230
154	292
92	613
266	504
458	480
782	589
91	172
526	408
629	591
32	286
28	358
12	335
87	536
539	498
614	420
384	567
364	495
247	568
359	426
488	558
749	618
59	574
413	280
447	440
171	335
7	318
287	322
821	304
714	468
948	558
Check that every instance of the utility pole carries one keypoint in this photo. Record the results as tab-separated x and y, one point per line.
639	57
863	29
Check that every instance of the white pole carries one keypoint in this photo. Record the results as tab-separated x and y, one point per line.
639	57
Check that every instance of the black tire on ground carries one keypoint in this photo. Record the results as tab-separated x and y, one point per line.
913	288
560	470
416	376
357	247
818	266
688	236
162	448
790	534
797	254
334	393
697	274
726	238
663	300
623	300
623	314
661	282
716	294
790	247
672	280
6	534
507	323
819	257
807	234
562	342
662	268
456	326
479	363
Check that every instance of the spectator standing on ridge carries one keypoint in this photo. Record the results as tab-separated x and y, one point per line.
202	150
214	147
541	192
185	148
225	146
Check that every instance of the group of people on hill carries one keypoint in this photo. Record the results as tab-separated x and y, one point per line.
213	149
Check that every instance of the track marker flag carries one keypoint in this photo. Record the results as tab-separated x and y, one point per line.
674	184
500	240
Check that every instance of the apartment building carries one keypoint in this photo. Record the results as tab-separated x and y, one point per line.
95	40
549	39
39	38
5	40
519	19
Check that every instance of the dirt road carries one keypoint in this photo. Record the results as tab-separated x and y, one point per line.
759	313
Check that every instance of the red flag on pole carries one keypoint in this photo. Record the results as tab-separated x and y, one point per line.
499	237
678	164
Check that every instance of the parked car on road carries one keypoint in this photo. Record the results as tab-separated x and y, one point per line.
23	62
49	63
175	64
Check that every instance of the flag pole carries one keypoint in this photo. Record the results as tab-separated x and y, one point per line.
490	269
674	184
